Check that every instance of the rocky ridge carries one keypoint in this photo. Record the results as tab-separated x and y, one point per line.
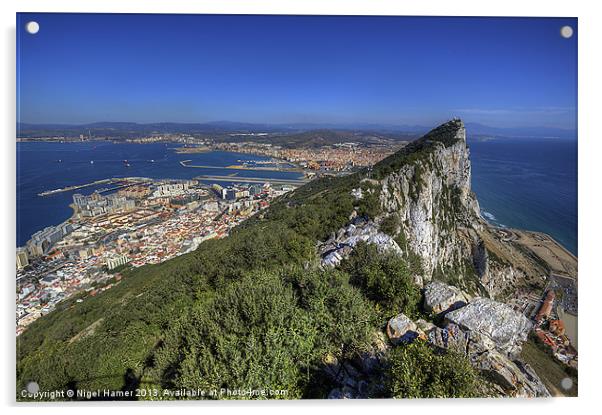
425	189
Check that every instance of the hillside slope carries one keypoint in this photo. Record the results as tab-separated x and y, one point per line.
260	310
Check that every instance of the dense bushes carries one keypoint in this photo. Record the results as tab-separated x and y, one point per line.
266	331
417	371
384	278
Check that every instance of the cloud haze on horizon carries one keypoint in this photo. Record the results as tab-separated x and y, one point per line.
502	72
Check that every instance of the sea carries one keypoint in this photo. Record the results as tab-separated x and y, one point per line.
528	183
520	183
45	166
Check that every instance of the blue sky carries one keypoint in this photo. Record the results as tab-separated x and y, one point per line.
502	72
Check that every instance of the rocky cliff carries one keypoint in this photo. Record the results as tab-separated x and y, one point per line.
425	190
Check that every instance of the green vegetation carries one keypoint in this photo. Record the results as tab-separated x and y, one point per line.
269	330
227	315
390	224
385	279
417	371
136	313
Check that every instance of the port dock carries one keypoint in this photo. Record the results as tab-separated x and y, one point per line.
240	179
79	186
120	182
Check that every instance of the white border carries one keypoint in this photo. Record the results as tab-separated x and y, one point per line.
590	155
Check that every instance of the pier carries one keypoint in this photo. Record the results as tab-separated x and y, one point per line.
239	179
79	186
122	182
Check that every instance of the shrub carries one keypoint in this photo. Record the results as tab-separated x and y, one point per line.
417	371
384	278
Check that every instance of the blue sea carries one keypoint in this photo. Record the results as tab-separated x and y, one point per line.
45	166
528	183
520	183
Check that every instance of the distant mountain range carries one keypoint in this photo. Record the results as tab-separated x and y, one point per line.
132	129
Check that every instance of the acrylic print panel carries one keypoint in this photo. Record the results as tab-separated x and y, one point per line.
295	207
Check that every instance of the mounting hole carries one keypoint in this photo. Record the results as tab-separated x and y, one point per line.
32	27
566	32
33	387
566	383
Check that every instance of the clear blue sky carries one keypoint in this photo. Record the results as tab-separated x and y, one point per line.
503	72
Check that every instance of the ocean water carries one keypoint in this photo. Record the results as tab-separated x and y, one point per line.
39	169
520	183
528	183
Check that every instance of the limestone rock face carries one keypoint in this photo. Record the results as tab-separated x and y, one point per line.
432	198
512	377
401	329
440	297
450	337
427	190
341	244
515	378
501	323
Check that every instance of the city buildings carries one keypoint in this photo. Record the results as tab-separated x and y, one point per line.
41	241
22	258
134	226
116	260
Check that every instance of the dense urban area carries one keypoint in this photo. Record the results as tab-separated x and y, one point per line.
145	222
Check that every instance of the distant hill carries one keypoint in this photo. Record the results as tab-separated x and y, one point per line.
222	129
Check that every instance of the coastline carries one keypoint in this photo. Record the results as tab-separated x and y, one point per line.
39	170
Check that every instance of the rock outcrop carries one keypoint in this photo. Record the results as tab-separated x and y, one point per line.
450	337
505	326
341	244
426	188
440	297
514	377
362	376
401	329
